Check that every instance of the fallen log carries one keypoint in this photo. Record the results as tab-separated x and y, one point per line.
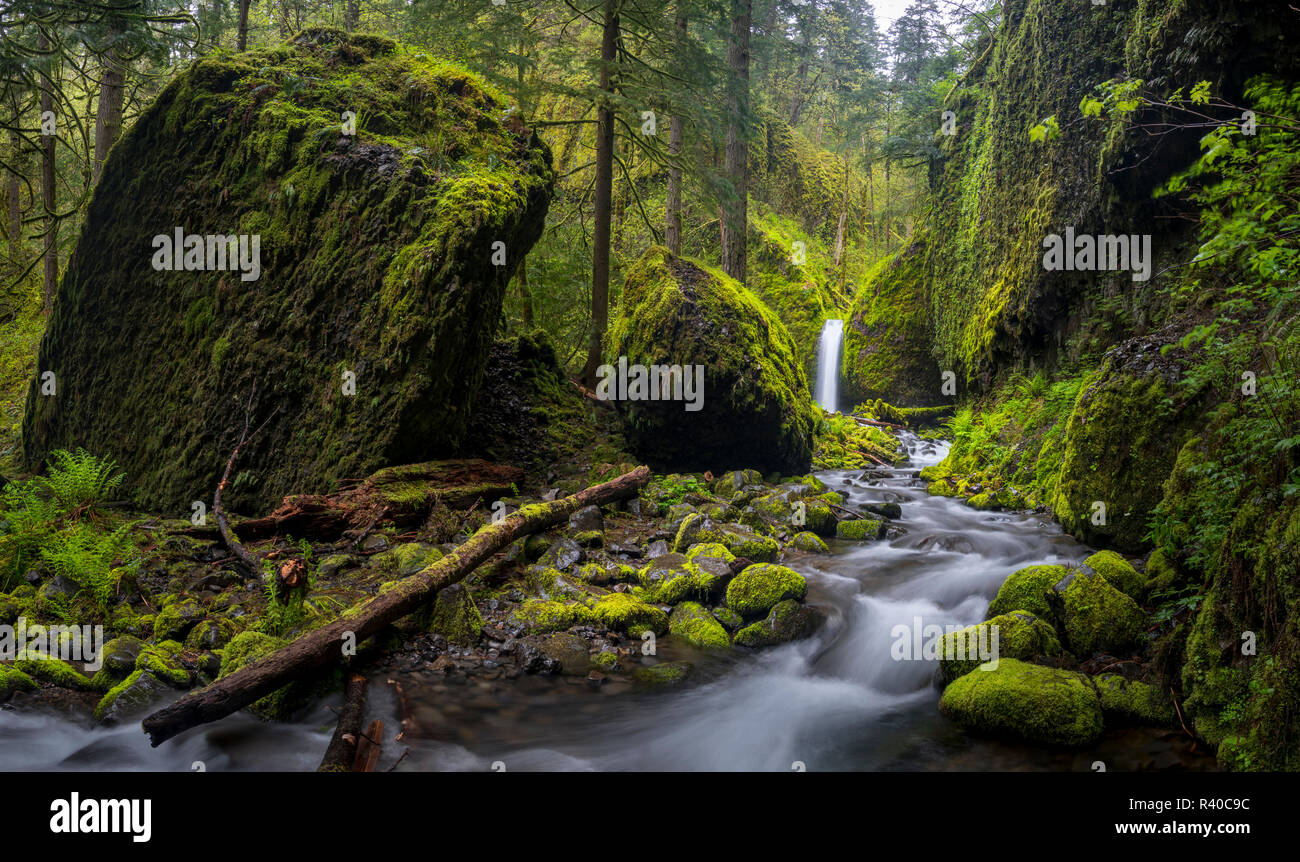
369	748
342	750
877	423
402	495
324	645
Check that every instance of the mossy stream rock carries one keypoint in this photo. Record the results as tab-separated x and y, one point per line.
1096	617
376	257
1020	635
1027	701
1026	589
756	410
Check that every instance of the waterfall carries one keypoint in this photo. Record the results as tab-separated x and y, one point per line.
827	393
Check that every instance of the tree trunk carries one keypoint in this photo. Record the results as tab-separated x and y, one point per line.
525	295
351	15
112	92
342	751
603	198
673	208
48	192
737	151
323	646
14	228
242	40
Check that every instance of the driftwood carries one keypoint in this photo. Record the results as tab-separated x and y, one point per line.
324	645
877	423
369	747
456	484
342	751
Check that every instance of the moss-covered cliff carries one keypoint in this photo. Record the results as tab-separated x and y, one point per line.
378	259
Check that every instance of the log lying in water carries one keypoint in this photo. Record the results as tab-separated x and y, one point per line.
325	645
342	751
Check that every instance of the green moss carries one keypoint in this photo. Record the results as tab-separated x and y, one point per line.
392	228
1097	617
756	410
1117	572
788	620
1026	589
176	619
663	674
809	543
52	670
456	617
695	625
12	681
406	559
537	615
1129	701
622	612
164	666
860	529
1020	635
758	588
1026	701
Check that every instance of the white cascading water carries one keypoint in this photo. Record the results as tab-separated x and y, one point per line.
828	365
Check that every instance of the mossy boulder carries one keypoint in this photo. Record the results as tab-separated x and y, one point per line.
406	559
809	543
1118	573
455	616
175	620
1133	702
758	589
1026	589
622	612
787	621
861	529
139	693
1020	635
665	673
211	634
1026	701
744	542
378	258
13	681
1129	422
541	615
755	411
54	671
164	664
694	624
1096	617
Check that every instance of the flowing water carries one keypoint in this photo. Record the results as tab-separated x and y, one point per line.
837	701
828	365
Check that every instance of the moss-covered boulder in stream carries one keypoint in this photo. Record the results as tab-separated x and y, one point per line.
754	409
1026	590
1026	701
383	259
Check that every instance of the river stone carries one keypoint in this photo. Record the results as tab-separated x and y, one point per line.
175	620
586	519
210	634
1020	635
665	673
695	625
568	651
563	554
376	257
755	410
1025	701
758	588
137	694
1118	573
788	620
456	617
1026	590
13	681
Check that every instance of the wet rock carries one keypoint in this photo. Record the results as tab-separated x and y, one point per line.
175	620
586	519
809	543
695	625
531	658
657	548
567	651
861	529
139	693
13	681
211	634
1026	590
1019	635
788	620
758	589
1026	701
455	616
1094	615
564	554
892	511
663	674
1118	573
624	550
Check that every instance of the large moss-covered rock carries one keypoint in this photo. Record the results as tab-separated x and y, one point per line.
1095	616
1129	423
1027	701
1019	635
1118	572
757	589
376	258
694	624
756	410
788	620
1026	589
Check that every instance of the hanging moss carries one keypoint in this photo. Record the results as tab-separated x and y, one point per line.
376	258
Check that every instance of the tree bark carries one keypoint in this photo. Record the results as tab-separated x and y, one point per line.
673	208
342	750
112	92
48	192
323	646
603	198
737	151
242	41
14	227
351	15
